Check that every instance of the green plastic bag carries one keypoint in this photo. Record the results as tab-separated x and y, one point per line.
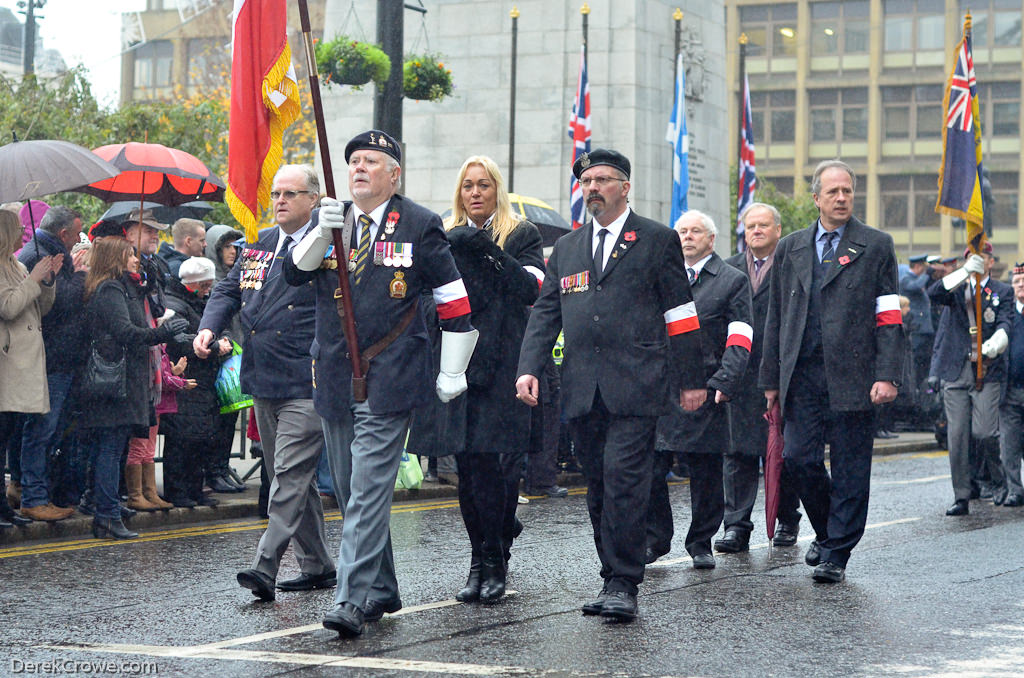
410	473
229	388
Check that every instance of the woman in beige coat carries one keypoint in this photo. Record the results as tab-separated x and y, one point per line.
24	299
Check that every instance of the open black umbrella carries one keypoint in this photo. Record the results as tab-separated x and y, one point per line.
196	209
40	167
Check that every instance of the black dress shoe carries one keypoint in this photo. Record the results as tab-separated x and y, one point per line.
219	484
375	609
111	527
829	573
651	554
1014	500
959	508
785	535
733	541
346	619
260	584
595	606
492	578
619	606
813	555
208	500
703	561
180	502
308	582
999	496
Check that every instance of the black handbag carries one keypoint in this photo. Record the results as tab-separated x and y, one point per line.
105	378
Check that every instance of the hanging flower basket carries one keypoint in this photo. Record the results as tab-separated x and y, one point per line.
344	61
424	77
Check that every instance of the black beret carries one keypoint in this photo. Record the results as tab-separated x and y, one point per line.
600	156
374	140
918	259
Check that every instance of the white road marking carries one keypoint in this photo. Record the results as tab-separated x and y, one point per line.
755	547
310	628
929	479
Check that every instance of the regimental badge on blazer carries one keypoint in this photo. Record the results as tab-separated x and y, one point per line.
576	283
398	287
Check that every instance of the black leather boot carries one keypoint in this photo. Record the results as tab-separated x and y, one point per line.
111	527
470	593
492	573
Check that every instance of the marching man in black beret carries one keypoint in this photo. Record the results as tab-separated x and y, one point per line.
395	249
618	288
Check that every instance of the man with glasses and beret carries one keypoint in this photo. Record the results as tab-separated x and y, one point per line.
618	286
277	322
395	252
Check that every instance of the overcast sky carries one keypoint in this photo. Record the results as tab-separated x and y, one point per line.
86	32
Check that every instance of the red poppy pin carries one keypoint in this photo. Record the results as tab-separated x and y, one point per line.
389	227
629	236
844	260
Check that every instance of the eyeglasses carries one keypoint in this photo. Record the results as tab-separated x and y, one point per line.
287	195
600	182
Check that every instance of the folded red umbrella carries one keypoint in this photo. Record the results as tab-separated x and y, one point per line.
156	173
772	468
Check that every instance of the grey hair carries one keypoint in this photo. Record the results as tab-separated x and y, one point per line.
308	172
57	219
763	205
392	164
827	165
708	222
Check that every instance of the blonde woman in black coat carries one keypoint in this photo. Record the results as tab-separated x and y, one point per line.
501	260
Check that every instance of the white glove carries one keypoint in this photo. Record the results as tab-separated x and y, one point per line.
309	253
995	344
332	214
456	350
975	264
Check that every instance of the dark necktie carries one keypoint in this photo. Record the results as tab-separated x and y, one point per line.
758	263
599	252
281	254
691	274
363	251
828	254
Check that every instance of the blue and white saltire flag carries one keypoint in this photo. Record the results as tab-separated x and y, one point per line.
747	173
676	135
579	132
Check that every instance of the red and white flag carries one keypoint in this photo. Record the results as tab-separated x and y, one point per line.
264	101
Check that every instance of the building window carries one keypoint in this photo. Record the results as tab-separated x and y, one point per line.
912	112
1000	108
771	29
153	63
908	202
994	23
1006	195
840	27
773	115
912	25
839	114
209	62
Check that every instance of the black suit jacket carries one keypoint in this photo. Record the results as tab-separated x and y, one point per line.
616	333
748	431
861	336
277	324
954	342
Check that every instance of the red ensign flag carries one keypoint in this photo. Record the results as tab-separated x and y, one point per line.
264	100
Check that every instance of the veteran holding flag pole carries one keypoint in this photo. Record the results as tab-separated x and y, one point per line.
960	175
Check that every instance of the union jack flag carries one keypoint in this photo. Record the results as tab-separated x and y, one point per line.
579	132
960	176
747	173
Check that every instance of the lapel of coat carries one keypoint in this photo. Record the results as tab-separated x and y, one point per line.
628	237
850	247
804	256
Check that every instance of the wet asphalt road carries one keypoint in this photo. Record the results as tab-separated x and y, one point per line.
925	595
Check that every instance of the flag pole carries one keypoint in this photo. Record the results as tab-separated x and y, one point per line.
677	16
343	294
979	246
512	103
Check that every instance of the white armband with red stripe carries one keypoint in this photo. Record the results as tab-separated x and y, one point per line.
537	273
451	299
887	310
740	334
682	319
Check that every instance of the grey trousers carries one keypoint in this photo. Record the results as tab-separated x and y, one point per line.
292	442
364	451
971	414
1011	438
